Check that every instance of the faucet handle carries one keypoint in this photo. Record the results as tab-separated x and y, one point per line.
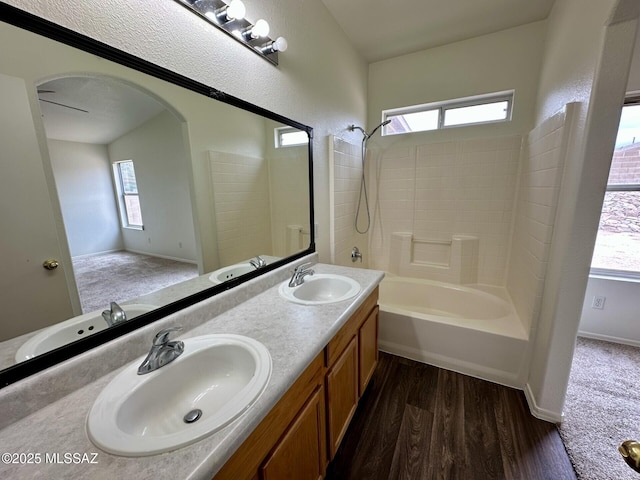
303	266
162	337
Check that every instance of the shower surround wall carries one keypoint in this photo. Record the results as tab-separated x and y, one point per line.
346	173
438	190
543	154
240	186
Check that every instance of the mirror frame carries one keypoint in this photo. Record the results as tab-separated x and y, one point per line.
27	21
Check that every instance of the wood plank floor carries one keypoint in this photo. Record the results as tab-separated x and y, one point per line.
416	421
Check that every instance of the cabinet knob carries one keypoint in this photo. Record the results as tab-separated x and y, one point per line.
50	264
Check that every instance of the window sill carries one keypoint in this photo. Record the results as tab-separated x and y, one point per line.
615	275
133	227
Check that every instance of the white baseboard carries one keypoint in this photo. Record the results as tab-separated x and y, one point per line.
466	368
608	338
539	412
167	257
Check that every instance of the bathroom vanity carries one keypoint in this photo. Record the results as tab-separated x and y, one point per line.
323	356
302	433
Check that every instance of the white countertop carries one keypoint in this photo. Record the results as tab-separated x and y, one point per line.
293	334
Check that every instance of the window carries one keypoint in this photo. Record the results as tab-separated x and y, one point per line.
128	194
495	107
290	137
617	249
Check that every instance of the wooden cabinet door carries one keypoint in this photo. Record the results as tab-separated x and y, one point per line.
301	452
368	349
342	394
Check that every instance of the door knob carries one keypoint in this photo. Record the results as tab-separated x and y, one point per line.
50	264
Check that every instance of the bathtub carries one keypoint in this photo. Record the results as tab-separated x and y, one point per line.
459	328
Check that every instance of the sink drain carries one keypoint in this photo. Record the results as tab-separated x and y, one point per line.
192	416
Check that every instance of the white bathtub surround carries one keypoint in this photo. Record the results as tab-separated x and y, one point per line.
453	261
464	329
542	164
296	239
438	190
241	193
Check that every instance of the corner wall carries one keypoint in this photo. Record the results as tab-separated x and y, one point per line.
85	189
586	61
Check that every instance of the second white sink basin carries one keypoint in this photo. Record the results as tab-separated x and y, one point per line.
227	273
71	330
320	289
220	376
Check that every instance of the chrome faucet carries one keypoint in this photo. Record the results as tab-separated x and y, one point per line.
355	254
114	315
258	262
162	351
299	273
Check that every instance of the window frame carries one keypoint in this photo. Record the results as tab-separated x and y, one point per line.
278	132
122	195
442	107
629	275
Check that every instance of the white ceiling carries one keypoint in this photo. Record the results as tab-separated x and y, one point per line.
113	109
381	29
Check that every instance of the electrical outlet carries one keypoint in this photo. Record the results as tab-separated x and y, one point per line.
598	302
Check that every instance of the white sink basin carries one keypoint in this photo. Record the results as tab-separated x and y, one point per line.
71	330
321	289
137	415
227	273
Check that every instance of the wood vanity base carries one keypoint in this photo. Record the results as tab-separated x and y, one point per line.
301	434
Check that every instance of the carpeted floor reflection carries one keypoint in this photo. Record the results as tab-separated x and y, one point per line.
121	276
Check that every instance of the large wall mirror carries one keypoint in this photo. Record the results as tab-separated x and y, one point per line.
129	188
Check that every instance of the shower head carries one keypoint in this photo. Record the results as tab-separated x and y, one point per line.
386	122
351	128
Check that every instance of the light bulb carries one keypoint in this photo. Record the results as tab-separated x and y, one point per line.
280	44
260	29
236	10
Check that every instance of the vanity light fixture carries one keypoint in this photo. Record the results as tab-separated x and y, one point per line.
229	17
